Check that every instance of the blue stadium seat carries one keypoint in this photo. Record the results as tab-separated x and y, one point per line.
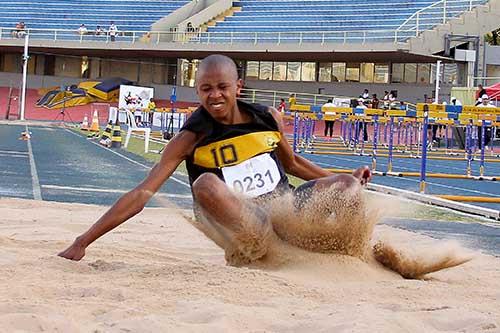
331	20
128	15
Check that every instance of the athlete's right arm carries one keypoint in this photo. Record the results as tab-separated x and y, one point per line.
134	201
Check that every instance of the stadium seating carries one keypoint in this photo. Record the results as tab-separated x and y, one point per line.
128	15
327	20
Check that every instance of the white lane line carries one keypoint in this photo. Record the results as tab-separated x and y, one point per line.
131	160
14	152
14	155
37	193
105	190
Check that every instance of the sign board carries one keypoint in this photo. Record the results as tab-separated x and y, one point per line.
465	55
133	98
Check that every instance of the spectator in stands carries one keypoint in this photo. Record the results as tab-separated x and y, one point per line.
282	106
292	100
386	95
329	123
20	30
82	30
375	101
189	27
112	31
361	105
455	101
485	102
365	95
98	31
151	111
480	91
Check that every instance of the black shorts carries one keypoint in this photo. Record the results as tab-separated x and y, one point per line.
301	194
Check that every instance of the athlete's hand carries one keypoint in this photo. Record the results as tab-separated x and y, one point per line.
75	251
364	174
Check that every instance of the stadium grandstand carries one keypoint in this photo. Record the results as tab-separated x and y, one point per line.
321	47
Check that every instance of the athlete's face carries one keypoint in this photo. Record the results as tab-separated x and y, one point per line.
217	88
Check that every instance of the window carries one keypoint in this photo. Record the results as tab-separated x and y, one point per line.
381	73
397	73
338	72
423	73
308	71
325	72
352	72
265	70
85	67
366	72
279	71
293	72
410	75
252	70
450	73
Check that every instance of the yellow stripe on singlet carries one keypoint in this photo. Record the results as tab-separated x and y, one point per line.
236	150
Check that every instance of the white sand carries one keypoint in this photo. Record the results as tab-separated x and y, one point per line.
157	273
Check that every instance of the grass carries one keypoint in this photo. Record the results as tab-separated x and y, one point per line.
408	209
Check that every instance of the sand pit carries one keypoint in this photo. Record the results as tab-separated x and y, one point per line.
157	273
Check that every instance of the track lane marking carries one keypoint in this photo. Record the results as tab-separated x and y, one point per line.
37	192
131	160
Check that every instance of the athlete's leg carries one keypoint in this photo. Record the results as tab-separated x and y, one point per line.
240	227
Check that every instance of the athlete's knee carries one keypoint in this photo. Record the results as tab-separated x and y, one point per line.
342	182
346	182
206	187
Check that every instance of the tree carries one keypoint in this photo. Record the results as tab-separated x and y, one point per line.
493	38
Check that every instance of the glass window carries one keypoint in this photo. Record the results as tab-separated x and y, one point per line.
85	67
252	69
308	71
352	72
450	73
279	71
265	70
397	73
325	72
410	73
366	72
423	73
338	72
293	72
381	73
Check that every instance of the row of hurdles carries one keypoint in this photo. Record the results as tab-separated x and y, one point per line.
402	134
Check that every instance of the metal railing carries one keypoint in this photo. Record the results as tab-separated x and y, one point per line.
273	97
423	19
199	37
437	13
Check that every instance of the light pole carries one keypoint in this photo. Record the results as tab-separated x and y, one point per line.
25	73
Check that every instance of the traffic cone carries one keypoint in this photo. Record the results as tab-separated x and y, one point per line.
116	138
85	124
95	122
106	135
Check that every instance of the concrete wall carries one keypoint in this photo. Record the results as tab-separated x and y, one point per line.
206	14
179	15
407	92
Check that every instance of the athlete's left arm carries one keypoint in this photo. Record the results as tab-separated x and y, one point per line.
293	163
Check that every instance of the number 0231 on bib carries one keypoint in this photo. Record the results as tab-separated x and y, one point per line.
256	176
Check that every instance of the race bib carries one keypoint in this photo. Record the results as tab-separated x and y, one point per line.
256	176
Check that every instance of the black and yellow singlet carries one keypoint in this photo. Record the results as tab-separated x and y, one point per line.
224	146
